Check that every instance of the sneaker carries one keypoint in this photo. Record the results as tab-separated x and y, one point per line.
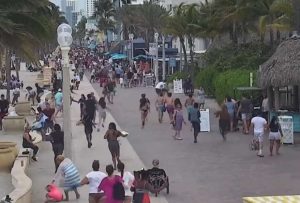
195	141
34	158
178	138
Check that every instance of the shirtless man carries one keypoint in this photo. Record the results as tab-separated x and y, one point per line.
169	102
189	104
160	105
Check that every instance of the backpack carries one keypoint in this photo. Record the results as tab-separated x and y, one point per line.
118	191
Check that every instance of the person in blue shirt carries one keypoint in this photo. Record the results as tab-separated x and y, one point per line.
194	117
58	102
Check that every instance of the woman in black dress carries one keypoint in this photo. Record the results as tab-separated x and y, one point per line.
57	140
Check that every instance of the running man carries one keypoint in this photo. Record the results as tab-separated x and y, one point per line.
160	105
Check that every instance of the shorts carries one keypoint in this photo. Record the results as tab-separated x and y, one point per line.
118	76
58	107
259	136
246	116
274	136
95	197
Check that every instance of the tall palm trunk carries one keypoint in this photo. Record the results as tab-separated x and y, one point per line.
181	39
191	45
234	33
107	46
18	64
8	72
271	33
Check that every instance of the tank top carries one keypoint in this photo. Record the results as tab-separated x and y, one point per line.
274	127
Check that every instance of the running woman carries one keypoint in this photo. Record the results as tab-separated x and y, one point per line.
101	107
144	108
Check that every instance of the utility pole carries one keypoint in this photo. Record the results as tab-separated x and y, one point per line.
164	58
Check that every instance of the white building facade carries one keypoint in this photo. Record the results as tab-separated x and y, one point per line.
90	8
199	43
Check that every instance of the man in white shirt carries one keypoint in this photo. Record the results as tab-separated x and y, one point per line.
160	87
93	179
259	125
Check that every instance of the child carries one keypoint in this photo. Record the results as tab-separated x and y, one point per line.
54	194
121	81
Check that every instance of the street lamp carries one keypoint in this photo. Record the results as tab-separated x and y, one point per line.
64	28
164	58
131	41
64	39
156	58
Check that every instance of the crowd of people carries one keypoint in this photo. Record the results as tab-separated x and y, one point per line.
111	186
116	185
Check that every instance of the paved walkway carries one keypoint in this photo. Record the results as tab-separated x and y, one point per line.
42	171
212	170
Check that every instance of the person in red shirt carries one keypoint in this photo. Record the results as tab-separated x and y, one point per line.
49	112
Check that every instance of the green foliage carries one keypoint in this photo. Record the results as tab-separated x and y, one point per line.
225	82
177	75
205	78
247	56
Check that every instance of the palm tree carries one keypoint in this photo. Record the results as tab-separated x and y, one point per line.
104	14
176	26
144	20
277	15
80	29
24	25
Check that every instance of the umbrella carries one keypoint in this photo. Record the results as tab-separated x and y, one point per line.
139	57
28	88
118	56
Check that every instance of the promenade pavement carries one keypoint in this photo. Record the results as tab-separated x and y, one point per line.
210	171
42	172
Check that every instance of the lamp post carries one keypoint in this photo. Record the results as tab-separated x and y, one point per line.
156	57
64	39
131	45
164	58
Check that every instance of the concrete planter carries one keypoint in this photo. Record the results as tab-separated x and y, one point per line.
23	108
7	159
13	123
12	146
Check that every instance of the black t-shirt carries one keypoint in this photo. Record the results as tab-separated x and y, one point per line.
274	127
90	107
129	75
57	137
4	104
143	102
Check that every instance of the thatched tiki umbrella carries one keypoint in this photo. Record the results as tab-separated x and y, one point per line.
282	70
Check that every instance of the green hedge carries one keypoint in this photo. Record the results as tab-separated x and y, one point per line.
225	82
205	78
177	75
